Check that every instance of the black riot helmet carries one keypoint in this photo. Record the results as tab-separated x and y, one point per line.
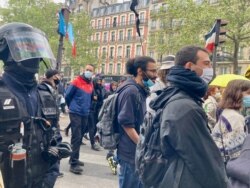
23	44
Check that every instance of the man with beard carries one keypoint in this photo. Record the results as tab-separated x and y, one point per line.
29	152
194	160
78	98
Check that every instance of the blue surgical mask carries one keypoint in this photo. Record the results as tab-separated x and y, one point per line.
148	83
88	74
246	101
207	75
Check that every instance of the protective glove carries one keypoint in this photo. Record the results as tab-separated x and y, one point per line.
51	154
64	149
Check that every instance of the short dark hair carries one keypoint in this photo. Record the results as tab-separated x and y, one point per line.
138	62
232	95
51	72
188	54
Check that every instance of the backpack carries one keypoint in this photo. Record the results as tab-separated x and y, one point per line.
107	126
150	162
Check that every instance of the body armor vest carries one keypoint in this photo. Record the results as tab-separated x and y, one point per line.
37	136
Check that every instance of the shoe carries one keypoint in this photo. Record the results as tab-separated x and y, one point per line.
112	165
96	147
109	155
80	163
86	136
83	143
76	169
60	175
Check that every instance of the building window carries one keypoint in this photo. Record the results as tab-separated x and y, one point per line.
103	68
123	21
80	8
120	35
110	68
151	54
113	36
153	24
131	19
138	50
107	23
119	52
105	37
128	52
115	22
129	35
97	37
96	52
142	17
118	69
104	53
112	52
99	25
223	70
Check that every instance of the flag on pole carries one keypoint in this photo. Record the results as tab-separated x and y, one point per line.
210	39
61	25
71	39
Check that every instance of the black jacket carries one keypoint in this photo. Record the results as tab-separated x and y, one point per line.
197	162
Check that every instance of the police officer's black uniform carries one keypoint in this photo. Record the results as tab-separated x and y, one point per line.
29	148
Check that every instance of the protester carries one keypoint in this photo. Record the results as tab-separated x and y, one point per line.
131	107
112	159
29	144
229	132
161	81
210	105
78	98
194	159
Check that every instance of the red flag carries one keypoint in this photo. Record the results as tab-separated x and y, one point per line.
74	49
210	39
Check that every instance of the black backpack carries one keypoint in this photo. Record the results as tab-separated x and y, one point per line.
150	163
107	126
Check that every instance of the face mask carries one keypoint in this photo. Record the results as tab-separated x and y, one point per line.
217	96
246	101
88	74
207	75
148	83
56	81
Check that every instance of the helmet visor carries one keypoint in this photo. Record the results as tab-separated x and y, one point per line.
26	45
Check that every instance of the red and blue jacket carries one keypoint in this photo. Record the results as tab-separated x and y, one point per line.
78	96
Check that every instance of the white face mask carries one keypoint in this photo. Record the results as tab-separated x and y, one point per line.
207	75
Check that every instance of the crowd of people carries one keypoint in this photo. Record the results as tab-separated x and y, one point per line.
202	127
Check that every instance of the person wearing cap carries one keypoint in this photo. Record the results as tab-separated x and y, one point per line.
161	81
49	84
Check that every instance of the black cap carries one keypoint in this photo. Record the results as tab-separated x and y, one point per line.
51	72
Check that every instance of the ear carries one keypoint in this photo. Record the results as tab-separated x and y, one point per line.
139	71
188	65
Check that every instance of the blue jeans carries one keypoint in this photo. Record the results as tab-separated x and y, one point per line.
127	176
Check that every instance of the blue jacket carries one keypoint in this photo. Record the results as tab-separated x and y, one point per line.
131	109
78	96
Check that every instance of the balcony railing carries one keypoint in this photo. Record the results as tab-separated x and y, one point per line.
121	24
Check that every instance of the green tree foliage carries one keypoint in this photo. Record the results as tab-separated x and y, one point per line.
43	15
185	22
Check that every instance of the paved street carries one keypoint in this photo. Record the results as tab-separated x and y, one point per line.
96	174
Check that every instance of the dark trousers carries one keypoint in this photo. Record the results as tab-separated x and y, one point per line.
92	127
78	128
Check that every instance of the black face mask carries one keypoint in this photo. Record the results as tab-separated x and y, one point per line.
56	81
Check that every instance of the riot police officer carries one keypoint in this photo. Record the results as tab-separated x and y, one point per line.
29	148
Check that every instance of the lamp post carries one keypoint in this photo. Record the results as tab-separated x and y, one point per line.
65	13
